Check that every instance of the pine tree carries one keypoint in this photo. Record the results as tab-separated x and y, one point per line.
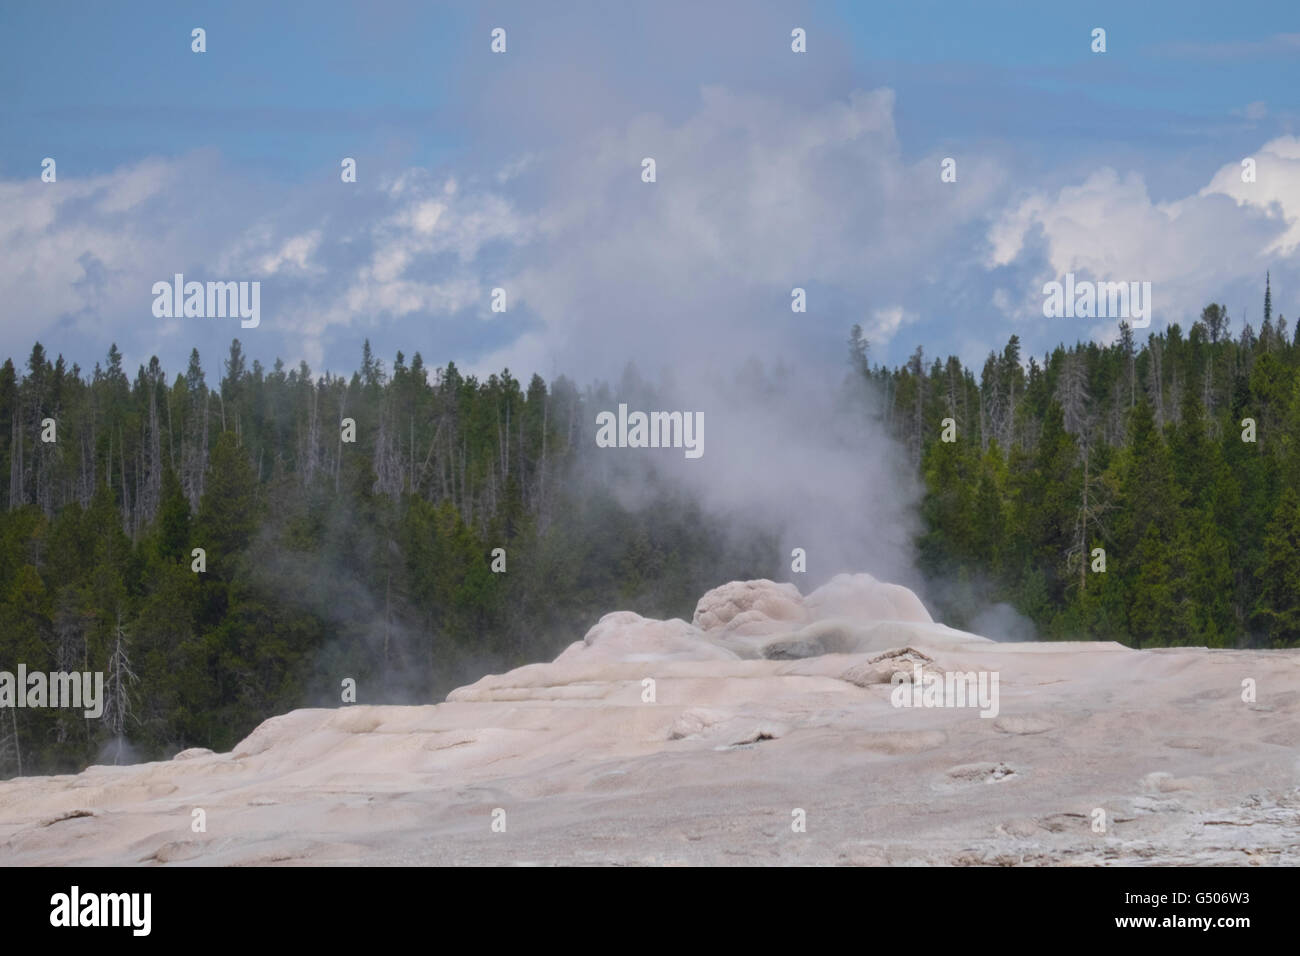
228	515
173	523
1277	611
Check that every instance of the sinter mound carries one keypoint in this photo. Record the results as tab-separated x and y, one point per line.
665	742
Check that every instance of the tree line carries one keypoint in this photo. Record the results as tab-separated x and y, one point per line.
1172	464
326	559
323	559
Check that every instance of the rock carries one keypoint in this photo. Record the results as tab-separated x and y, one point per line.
881	668
750	607
193	752
863	598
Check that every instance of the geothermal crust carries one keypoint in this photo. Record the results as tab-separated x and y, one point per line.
765	731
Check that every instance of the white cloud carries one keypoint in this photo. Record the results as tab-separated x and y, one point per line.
80	246
1190	248
886	323
1275	192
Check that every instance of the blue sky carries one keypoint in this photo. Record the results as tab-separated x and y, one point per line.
522	171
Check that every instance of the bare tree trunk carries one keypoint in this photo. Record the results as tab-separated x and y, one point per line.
117	706
984	435
338	462
84	481
171	433
126	493
1158	398
1010	423
1083	529
541	471
16	466
464	492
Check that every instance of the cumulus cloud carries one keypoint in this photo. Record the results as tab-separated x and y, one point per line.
71	248
86	252
1191	248
1275	192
